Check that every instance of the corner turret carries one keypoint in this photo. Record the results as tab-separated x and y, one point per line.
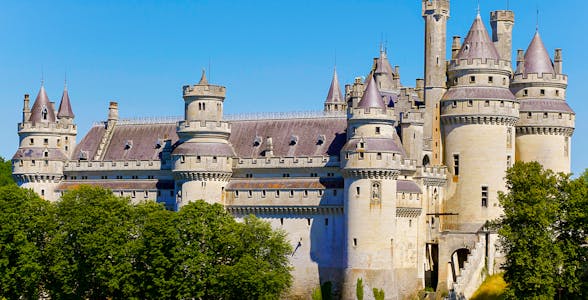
547	122
335	101
502	22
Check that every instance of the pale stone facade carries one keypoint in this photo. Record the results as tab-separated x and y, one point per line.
389	183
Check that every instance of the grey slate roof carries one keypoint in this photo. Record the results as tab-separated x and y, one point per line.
39	153
243	135
478	92
119	184
371	97
407	186
65	110
536	58
41	104
334	95
377	145
477	43
545	105
290	183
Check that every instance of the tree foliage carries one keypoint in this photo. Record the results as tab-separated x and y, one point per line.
5	172
93	245
543	231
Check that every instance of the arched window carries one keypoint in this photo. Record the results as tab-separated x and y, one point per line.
426	160
44	113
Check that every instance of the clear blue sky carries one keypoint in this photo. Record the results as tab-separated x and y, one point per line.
271	55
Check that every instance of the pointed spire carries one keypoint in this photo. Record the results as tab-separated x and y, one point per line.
334	95
42	110
65	110
203	80
536	58
371	96
477	43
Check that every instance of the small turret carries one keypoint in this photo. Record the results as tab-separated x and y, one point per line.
455	46
26	109
502	22
335	101
42	111
65	113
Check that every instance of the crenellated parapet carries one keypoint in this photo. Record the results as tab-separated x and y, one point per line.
204	129
204	91
202	176
458	67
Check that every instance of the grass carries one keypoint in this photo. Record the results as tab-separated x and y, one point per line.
491	289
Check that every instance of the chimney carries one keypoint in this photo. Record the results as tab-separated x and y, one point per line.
455	46
521	61
558	61
502	22
420	88
26	110
113	111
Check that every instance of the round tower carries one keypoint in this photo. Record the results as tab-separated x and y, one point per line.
370	162
203	157
46	143
546	123
478	114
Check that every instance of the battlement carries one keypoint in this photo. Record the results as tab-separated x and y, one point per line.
435	7
478	63
372	113
220	129
125	165
479	108
417	117
547	119
356	160
58	128
287	162
198	90
502	16
556	79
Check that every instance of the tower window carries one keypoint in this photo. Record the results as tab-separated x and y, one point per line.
277	193
46	154
291	193
508	161
31	141
472	79
542	92
560	116
214	159
379	156
182	159
326	221
263	194
45	142
305	193
484	196
361	155
377	130
66	148
470	103
529	115
357	190
354	242
250	193
490	79
544	115
557	92
525	93
198	159
42	192
456	164
33	162
501	103
487	103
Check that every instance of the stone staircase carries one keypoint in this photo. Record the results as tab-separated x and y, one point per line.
472	274
105	140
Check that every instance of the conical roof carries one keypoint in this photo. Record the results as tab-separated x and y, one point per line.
334	95
42	110
65	110
371	97
536	58
477	43
383	65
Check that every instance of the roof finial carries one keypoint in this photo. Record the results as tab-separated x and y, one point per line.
537	21
65	81
478	10
203	77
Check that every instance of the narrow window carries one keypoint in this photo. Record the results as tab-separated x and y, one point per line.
544	115
508	161
31	141
320	192
305	193
490	79
291	193
33	162
66	148
560	116
361	155
46	163
146	194
263	194
472	79
377	130
281	221
484	196
133	194
470	103
487	103
456	164
362	145
214	159
277	193
354	242
454	104
198	159
326	221
45	142
46	154
346	155
557	92
203	106
501	103
525	93
529	115
379	155
42	192
410	223
542	92
182	159
236	193
249	193
357	189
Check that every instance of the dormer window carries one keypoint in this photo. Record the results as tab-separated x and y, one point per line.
257	141
44	112
128	144
293	140
321	139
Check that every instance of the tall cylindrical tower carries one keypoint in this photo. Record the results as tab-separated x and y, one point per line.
202	159
546	124
435	13
370	161
478	113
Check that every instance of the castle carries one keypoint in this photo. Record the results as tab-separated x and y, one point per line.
388	183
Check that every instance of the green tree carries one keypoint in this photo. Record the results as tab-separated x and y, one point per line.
26	221
542	232
5	172
91	250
